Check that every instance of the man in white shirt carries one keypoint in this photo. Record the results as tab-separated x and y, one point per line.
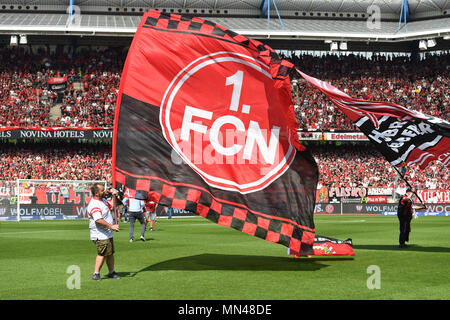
101	226
135	211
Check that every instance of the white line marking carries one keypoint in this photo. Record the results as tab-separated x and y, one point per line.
25	232
349	221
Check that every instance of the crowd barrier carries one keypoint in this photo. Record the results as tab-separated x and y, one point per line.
433	209
73	211
68	200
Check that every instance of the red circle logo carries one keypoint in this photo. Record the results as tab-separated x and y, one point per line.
221	114
329	208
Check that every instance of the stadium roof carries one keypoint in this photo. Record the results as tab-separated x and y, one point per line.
51	23
417	8
301	19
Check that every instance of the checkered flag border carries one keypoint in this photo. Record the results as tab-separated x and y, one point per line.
196	199
201	202
280	69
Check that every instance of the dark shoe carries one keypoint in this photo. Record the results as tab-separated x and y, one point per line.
113	275
96	277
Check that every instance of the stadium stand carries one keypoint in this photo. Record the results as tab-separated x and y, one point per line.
66	161
362	166
26	99
349	165
93	67
420	85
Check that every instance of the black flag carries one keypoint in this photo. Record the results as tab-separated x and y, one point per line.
402	136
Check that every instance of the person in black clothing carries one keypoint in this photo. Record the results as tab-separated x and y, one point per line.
404	214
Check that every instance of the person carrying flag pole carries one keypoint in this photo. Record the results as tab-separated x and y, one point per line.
402	175
101	227
405	214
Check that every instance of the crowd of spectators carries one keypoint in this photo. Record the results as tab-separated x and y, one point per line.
93	104
363	166
339	166
24	101
419	85
26	96
66	161
93	79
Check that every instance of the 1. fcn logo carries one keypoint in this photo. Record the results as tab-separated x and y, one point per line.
222	114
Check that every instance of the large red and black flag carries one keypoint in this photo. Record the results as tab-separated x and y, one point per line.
402	136
205	123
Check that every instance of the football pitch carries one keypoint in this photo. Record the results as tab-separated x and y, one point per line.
195	259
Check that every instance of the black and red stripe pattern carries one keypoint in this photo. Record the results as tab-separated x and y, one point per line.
200	201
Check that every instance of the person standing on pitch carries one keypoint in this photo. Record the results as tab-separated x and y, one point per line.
169	213
101	226
135	210
405	214
150	212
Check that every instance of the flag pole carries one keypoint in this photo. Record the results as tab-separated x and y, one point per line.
409	185
115	207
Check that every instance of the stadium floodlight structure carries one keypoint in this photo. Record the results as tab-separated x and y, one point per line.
423	45
53	199
334	46
431	43
23	39
13	41
239	16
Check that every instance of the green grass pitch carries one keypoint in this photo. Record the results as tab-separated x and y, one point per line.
194	259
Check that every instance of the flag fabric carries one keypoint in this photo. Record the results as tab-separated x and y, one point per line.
57	83
401	135
205	123
325	246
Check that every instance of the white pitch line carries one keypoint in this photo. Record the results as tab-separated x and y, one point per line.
25	232
192	224
349	221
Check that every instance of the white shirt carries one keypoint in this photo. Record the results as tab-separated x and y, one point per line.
99	209
134	205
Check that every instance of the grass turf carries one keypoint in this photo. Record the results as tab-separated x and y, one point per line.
194	259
